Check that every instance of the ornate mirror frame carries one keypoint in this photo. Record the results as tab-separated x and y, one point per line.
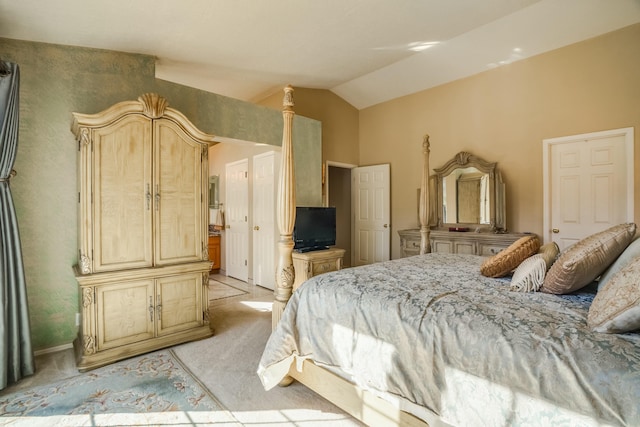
497	214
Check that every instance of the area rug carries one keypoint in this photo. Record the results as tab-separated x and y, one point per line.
219	290
155	388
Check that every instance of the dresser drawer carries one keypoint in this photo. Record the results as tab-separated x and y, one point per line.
324	267
409	244
412	245
490	250
454	242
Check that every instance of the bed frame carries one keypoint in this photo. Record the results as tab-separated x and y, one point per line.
359	403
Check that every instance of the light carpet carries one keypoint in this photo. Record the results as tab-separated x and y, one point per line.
155	388
219	290
227	362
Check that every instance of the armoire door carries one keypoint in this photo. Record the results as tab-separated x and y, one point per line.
178	303
177	195
122	207
125	313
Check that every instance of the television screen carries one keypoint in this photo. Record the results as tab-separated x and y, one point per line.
314	229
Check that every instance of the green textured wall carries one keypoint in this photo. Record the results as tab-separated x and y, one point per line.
58	80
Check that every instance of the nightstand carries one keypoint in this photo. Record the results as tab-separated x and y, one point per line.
309	264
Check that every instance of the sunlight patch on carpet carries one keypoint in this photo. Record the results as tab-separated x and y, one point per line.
259	305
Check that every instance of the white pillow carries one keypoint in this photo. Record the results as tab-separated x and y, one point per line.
632	251
616	307
529	275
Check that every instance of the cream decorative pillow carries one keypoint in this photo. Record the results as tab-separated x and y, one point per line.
632	251
504	262
529	275
581	263
616	307
550	253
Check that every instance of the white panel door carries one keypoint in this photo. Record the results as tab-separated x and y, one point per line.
590	185
370	205
236	240
265	173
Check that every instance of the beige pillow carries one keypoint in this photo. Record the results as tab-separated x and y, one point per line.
581	263
616	307
529	275
505	261
549	253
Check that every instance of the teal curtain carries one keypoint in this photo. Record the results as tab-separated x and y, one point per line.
16	354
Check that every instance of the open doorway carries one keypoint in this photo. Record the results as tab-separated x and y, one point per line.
338	193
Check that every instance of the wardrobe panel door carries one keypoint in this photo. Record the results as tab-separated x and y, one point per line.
178	195
121	195
179	303
125	313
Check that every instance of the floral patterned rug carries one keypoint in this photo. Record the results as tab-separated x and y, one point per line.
154	388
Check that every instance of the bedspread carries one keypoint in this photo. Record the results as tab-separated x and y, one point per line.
431	330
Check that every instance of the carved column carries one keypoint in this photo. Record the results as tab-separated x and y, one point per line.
286	214
425	244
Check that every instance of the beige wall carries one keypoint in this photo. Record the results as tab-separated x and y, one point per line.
503	115
339	121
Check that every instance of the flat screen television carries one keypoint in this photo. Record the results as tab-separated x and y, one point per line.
314	229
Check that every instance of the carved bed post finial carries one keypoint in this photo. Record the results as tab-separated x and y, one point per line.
286	214
425	245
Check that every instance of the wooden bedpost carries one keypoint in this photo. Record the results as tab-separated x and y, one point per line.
423	209
286	214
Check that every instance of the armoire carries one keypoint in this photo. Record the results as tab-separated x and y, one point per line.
143	260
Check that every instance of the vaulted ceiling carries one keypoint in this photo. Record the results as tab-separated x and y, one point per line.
365	51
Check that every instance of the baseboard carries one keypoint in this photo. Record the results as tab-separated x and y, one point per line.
53	349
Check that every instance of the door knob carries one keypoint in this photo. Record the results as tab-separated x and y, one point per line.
257	227
555	230
386	226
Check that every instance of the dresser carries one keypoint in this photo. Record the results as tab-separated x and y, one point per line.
469	242
309	264
142	232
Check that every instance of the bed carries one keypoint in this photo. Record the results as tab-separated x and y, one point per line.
431	340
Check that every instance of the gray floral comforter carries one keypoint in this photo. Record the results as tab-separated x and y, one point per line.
430	331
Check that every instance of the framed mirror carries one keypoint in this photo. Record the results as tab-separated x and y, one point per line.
214	191
468	194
